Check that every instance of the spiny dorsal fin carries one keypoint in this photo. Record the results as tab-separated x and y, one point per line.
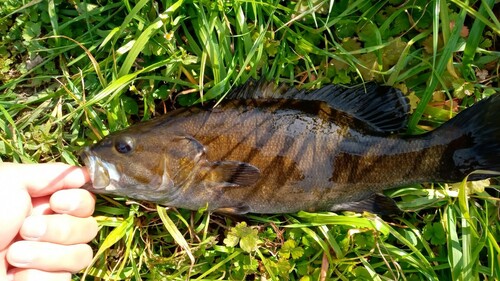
261	89
382	108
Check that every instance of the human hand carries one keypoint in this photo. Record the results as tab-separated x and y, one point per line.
45	221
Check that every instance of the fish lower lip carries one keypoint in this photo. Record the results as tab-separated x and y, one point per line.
85	156
97	171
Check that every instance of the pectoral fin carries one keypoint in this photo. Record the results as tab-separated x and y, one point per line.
377	204
233	173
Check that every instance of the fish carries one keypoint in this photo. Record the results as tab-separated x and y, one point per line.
270	149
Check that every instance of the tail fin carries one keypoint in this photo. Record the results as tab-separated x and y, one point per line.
477	146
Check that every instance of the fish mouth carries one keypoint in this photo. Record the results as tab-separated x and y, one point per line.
101	172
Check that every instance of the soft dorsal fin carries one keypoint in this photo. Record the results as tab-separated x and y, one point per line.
382	108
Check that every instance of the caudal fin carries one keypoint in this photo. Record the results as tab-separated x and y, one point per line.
476	133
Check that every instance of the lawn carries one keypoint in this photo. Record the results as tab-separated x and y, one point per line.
71	72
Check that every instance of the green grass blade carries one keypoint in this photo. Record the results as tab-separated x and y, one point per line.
370	222
453	243
133	13
219	264
444	59
53	20
266	263
419	260
174	232
475	37
138	46
495	26
115	235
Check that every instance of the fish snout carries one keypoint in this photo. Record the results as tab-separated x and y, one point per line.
98	170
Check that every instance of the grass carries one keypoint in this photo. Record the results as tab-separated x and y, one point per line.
74	71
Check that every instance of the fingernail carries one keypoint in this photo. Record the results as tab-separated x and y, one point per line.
20	254
34	227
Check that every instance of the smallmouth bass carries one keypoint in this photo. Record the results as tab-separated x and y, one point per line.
265	149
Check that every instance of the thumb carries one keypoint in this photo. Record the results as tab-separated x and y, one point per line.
15	206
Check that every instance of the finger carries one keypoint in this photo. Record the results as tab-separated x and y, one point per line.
44	179
41	206
15	206
21	274
60	229
75	202
49	257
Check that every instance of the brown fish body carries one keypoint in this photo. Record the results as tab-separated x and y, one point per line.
272	155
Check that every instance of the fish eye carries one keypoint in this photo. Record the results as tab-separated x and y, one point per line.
124	145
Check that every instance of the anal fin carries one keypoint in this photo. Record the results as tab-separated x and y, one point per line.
377	203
